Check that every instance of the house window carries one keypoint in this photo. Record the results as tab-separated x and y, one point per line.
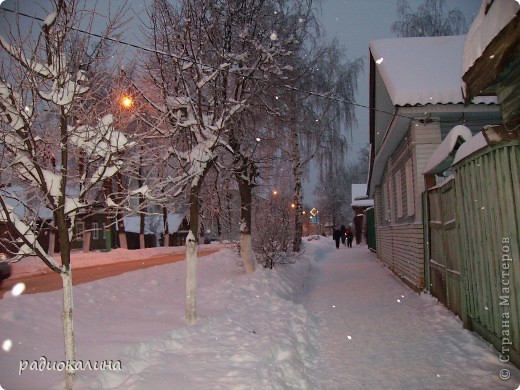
95	231
387	201
410	197
80	228
398	194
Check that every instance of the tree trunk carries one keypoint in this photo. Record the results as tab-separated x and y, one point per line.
123	244
68	331
142	221
86	240
52	237
298	223
191	258
142	244
66	317
191	279
52	242
246	247
166	239
141	201
298	174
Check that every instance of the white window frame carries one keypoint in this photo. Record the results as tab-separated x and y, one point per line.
80	229
398	194
388	201
410	193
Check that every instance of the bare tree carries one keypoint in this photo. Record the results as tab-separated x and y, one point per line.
273	220
332	197
319	115
188	78
431	19
55	159
212	63
269	32
334	192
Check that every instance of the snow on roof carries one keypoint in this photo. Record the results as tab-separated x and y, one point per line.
359	196
16	197
424	70
486	27
473	145
363	203
442	157
359	190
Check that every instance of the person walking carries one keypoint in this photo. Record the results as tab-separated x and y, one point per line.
336	236
350	236
342	234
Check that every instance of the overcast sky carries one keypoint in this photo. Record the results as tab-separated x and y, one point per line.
353	22
357	22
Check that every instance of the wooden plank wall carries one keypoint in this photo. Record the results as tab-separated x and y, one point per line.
443	257
400	248
488	207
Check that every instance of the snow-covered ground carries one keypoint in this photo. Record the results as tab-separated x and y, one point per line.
334	319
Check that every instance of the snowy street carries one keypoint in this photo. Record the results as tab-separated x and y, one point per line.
335	319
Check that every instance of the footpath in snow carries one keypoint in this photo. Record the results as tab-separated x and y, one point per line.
376	333
332	319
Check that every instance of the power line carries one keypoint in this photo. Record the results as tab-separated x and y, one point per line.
285	86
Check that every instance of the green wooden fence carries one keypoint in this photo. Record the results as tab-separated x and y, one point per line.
487	189
443	258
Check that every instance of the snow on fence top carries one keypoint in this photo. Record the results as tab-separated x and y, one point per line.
445	152
477	142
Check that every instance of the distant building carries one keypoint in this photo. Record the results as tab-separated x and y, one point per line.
360	202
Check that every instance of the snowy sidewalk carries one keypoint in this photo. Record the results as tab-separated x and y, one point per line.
332	320
79	259
376	333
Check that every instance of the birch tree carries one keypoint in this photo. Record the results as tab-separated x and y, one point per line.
54	160
257	38
317	102
188	110
211	60
431	19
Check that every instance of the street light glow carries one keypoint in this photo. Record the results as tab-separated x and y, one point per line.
127	102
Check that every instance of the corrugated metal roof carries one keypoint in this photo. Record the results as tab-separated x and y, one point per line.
420	71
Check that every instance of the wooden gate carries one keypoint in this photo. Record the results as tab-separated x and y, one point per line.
443	259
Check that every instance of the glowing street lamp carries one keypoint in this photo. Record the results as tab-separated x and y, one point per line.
127	102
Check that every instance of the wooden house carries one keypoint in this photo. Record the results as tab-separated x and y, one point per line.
472	217
415	100
360	202
491	59
154	230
